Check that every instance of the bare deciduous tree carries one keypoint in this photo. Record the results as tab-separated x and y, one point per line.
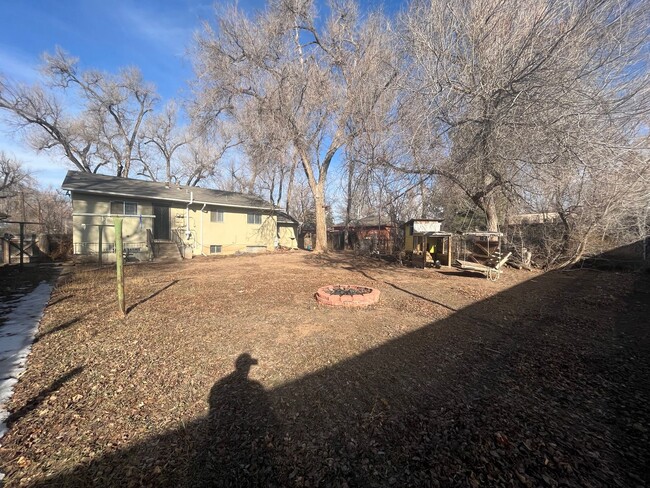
499	89
161	132
41	115
106	129
308	80
12	175
201	156
117	104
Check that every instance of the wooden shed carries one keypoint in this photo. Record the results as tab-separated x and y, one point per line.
425	243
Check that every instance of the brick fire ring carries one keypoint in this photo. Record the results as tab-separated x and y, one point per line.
362	296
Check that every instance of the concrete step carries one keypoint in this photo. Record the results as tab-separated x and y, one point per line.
167	252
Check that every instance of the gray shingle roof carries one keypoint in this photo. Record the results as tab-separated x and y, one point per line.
285	218
77	181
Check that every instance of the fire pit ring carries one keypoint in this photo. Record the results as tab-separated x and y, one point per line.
347	295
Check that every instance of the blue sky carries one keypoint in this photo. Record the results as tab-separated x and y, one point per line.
105	35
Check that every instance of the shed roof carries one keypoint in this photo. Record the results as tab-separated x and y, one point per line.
421	220
285	218
433	234
78	181
483	233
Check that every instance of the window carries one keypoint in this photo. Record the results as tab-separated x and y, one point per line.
216	216
124	208
255	219
130	208
215	248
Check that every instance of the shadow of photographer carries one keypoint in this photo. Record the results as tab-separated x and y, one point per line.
239	432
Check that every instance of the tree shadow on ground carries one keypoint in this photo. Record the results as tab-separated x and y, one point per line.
153	295
421	297
34	402
513	391
465	274
343	258
59	300
58	328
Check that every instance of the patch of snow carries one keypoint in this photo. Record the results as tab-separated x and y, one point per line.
22	316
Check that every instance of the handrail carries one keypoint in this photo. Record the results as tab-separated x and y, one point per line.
86	248
178	240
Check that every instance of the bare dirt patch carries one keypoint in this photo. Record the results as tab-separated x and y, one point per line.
227	372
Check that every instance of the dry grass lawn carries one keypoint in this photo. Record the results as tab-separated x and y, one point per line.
226	372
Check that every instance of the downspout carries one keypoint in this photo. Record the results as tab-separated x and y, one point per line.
187	217
202	209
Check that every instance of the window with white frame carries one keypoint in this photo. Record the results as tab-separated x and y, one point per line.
254	218
124	208
216	216
215	248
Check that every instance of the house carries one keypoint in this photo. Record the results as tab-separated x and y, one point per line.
425	242
173	220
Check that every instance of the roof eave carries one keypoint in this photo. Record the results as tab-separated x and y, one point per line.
186	201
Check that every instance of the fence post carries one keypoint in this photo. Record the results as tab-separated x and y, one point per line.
101	231
22	239
6	251
119	259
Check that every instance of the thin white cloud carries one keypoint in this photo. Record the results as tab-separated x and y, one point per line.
18	66
164	32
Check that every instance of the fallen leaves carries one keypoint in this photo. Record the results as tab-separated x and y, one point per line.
518	388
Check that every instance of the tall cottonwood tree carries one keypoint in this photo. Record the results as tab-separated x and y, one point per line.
309	80
40	114
200	158
162	134
103	133
500	89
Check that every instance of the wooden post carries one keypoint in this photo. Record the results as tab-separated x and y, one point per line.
449	251
6	251
22	238
101	228
119	264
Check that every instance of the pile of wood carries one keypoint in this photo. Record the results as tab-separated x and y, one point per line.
521	259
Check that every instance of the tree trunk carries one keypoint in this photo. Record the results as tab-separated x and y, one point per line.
321	218
491	215
290	185
488	205
348	207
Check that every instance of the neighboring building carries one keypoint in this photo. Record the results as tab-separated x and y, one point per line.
424	241
366	234
534	218
197	221
287	235
307	236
